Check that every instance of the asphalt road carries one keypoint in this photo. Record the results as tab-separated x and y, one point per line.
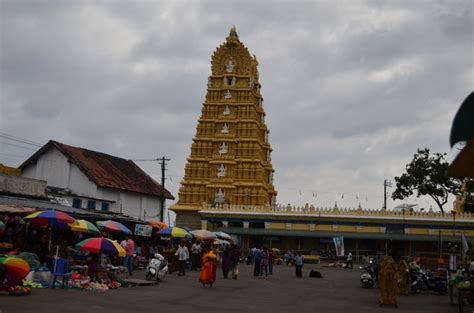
338	291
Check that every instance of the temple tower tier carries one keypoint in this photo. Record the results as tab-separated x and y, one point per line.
230	159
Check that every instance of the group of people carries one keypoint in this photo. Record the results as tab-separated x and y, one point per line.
263	261
203	258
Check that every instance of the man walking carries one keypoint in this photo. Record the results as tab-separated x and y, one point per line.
183	255
196	250
257	256
130	250
349	260
299	260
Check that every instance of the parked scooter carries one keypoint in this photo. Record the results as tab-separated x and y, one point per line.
422	280
157	268
367	277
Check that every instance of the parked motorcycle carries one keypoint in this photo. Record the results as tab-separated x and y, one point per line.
157	268
367	277
424	281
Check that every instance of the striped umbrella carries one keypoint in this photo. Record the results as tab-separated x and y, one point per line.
2	228
159	225
98	245
203	234
174	232
223	236
113	227
83	226
17	267
50	217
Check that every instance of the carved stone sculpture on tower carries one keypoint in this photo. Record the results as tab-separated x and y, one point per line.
223	149
251	83
221	171
209	81
220	197
225	129
226	110
229	68
227	95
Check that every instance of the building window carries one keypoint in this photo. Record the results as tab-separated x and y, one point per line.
105	206
76	203
91	204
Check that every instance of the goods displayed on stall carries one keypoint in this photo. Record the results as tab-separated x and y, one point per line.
113	227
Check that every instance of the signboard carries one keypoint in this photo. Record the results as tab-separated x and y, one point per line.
143	230
339	244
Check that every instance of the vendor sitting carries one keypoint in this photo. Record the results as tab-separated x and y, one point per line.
92	268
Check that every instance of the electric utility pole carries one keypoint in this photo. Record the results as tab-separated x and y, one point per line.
386	183
162	162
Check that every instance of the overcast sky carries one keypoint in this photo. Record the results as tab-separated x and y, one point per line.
351	88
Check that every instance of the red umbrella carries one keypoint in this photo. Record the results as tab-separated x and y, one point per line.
17	268
50	217
113	227
101	245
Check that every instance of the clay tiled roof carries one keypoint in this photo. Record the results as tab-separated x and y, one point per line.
105	170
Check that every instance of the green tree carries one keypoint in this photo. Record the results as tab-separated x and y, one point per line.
427	175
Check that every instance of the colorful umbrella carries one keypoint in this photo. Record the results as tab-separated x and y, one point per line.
16	266
221	242
158	224
2	228
50	217
98	245
113	227
83	226
174	232
223	236
203	234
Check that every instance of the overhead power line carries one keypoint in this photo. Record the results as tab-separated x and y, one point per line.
18	139
12	144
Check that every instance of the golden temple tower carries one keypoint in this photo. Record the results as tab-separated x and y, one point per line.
230	160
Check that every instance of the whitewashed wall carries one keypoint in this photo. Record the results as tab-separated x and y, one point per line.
55	168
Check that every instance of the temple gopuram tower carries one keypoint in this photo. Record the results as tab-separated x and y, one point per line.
230	160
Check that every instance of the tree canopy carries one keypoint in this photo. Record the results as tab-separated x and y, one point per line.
427	175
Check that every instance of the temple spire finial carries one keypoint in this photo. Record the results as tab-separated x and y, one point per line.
233	36
233	31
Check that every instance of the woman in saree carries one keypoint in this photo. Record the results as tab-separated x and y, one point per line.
207	276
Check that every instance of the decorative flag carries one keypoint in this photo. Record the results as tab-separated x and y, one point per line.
339	244
342	197
366	199
452	263
357	197
465	246
300	192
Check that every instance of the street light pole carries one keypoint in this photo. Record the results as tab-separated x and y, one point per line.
386	183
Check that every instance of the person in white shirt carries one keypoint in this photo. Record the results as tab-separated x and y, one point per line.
196	251
183	255
349	260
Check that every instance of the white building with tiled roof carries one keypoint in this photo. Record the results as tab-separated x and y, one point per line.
95	180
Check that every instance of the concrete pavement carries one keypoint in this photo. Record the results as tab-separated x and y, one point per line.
338	291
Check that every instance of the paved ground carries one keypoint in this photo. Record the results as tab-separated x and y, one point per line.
338	291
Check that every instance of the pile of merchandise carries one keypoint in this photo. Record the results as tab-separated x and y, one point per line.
19	291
